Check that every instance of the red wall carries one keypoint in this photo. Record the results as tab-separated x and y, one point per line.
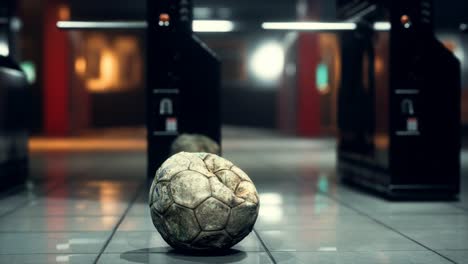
308	97
56	73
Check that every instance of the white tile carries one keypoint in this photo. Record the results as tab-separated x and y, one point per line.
340	240
377	257
52	243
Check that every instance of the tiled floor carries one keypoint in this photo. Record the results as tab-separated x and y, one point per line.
90	207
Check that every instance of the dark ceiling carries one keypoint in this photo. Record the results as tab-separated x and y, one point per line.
250	12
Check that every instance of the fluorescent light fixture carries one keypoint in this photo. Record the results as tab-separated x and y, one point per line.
213	26
198	25
382	26
308	26
102	24
321	26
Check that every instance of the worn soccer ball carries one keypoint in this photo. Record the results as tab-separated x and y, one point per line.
195	143
200	201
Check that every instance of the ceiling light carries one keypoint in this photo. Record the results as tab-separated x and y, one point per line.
198	25
308	26
212	26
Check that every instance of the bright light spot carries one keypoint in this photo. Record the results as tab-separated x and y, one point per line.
62	259
321	76
382	26
65	246
109	73
4	50
308	26
321	26
267	61
63	12
271	213
460	54
80	66
327	249
212	26
271	199
29	69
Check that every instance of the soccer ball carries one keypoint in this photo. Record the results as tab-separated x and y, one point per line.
194	143
200	201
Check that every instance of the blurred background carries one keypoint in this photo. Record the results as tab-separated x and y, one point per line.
85	82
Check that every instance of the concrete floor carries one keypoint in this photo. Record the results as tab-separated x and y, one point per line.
90	207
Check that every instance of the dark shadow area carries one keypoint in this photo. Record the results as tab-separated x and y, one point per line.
149	255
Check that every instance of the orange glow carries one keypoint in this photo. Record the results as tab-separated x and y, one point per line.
379	65
63	12
109	73
164	17
80	145
404	19
381	141
80	66
110	64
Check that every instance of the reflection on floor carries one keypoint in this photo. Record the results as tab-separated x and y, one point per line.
90	207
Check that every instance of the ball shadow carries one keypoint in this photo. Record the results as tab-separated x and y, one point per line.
163	254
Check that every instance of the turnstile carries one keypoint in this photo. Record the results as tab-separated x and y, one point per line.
183	77
399	104
13	109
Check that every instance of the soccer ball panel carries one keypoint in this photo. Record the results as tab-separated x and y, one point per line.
161	198
242	216
181	223
171	167
246	190
158	222
241	174
213	239
212	215
223	193
229	178
189	188
215	163
199	166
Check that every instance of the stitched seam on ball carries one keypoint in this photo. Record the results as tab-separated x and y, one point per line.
157	182
196	217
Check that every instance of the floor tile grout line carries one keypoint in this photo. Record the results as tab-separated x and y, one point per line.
28	200
387	226
117	225
270	255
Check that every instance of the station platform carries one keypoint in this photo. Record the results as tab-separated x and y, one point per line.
88	204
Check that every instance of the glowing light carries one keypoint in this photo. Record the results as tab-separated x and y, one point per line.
322	78
29	68
62	259
64	12
267	61
80	66
321	26
327	249
4	50
382	26
271	213
197	25
308	26
212	26
109	73
271	199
